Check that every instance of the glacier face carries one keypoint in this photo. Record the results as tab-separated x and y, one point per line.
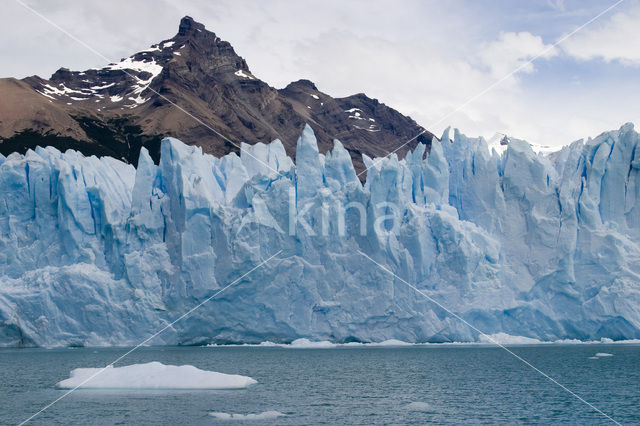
95	252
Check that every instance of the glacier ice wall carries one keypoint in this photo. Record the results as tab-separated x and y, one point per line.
95	252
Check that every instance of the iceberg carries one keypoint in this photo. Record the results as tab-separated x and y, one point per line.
153	375
95	252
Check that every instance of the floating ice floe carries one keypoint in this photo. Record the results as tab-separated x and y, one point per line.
600	355
153	375
266	415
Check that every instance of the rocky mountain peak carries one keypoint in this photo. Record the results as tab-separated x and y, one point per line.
189	27
116	109
205	49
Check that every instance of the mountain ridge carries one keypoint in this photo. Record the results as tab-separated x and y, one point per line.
117	109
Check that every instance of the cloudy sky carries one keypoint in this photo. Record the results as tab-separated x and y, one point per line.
427	59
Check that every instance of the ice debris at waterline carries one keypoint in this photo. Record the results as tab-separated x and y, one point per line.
95	252
153	375
267	415
507	339
324	344
499	339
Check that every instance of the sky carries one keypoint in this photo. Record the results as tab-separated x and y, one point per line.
454	63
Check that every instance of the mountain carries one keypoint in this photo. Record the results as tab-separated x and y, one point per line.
96	252
189	87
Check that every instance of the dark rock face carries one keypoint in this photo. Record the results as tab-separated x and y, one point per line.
195	87
188	27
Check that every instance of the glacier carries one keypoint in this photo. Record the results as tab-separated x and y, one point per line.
94	252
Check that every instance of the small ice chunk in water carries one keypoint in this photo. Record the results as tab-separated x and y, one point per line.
266	415
600	355
153	375
419	406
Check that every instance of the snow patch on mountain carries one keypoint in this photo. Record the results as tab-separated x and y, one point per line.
243	74
132	64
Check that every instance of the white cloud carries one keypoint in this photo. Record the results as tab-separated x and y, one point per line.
514	51
616	39
425	58
431	81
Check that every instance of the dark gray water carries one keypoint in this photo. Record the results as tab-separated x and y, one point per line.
438	384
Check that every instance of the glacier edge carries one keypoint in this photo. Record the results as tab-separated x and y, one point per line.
94	252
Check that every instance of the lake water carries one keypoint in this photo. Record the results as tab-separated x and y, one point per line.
365	385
